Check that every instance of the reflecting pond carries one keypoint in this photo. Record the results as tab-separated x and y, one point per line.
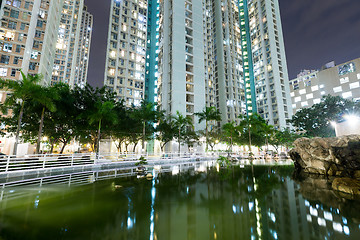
196	201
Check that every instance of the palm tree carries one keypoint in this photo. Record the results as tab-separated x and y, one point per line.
208	114
45	97
181	122
268	131
20	91
102	111
166	130
229	132
147	114
252	125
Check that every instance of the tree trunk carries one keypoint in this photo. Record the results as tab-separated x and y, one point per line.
143	137
250	141
18	128
206	136
40	131
134	148
52	148
64	145
179	142
98	139
118	146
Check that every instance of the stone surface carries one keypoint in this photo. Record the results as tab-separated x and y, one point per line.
319	188
328	156
347	185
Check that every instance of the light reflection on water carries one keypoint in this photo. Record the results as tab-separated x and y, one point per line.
199	201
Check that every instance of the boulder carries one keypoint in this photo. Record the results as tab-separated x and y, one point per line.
347	185
328	156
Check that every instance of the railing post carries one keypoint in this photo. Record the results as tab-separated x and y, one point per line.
7	163
44	160
72	160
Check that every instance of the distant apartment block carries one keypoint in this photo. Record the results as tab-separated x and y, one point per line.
181	58
83	50
28	33
337	80
73	44
126	50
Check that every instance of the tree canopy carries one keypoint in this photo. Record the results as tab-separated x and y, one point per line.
315	121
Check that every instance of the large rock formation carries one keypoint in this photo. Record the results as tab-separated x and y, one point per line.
328	156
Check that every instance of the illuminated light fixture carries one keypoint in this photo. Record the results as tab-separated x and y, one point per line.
352	119
333	124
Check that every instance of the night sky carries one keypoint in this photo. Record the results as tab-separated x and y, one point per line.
315	32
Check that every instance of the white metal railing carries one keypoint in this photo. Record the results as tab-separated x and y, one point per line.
46	161
42	161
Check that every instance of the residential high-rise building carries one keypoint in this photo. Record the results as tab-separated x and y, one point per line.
126	50
228	54
181	58
223	59
83	50
152	52
73	42
28	34
269	67
337	80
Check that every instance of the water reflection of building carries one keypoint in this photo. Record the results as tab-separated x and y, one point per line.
329	223
286	212
208	209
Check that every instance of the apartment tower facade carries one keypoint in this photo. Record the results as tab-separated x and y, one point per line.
73	44
126	50
28	34
181	58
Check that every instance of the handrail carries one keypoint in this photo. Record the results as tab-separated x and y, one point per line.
47	161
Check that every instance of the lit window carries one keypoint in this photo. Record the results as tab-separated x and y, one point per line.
322	86
3	72
322	93
321	222
354	85
302	91
294	106
358	76
347	94
337	227
344	80
112	71
328	216
309	96
304	104
292	94
316	101
346	68
297	99
337	89
315	88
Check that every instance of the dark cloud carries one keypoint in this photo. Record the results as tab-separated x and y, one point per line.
319	31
